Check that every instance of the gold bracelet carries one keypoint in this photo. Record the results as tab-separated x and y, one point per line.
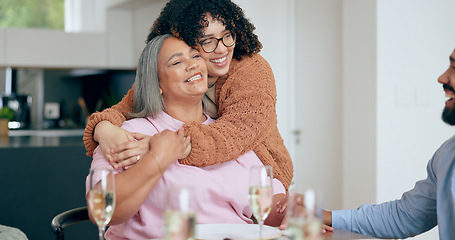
157	162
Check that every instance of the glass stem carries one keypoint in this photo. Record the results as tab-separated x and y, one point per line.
101	232
261	223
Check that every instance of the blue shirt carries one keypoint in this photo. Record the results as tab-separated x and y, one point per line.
430	203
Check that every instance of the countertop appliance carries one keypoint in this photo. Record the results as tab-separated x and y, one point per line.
20	104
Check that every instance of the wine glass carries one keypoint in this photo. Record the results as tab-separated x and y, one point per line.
312	204
101	197
180	213
304	214
294	213
261	193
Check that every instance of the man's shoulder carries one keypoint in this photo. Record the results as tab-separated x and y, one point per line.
445	155
449	143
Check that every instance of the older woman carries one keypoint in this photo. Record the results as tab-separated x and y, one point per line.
170	84
241	95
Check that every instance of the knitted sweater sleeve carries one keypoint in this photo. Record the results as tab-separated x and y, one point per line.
116	115
246	105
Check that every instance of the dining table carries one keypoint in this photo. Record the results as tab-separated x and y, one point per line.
339	234
250	231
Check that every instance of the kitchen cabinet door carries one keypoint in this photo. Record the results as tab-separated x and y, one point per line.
45	48
2	46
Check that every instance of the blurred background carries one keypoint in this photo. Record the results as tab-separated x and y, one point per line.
358	100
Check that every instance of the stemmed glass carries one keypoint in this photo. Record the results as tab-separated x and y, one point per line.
180	213
101	197
261	193
312	204
304	214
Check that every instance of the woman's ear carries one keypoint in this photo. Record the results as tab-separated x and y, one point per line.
161	92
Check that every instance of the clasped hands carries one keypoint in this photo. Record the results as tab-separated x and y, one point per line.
124	149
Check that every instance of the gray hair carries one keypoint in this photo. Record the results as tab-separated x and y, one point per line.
147	98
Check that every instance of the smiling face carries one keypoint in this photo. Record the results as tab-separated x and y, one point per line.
182	72
447	79
220	59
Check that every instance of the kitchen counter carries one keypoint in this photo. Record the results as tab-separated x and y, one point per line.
42	138
47	132
45	176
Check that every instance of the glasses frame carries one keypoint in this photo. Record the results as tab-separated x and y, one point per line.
218	42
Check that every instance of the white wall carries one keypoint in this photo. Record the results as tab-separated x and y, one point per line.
394	52
359	103
274	27
318	97
415	39
301	41
129	24
143	19
86	15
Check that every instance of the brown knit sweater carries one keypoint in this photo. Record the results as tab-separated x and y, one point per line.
246	99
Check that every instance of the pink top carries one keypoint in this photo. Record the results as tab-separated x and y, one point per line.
221	190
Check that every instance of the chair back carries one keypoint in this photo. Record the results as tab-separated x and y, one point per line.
67	218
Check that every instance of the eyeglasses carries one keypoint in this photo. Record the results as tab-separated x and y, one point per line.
210	44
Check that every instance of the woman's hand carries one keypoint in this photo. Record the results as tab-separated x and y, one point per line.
283	204
186	144
275	217
129	153
325	228
111	137
170	145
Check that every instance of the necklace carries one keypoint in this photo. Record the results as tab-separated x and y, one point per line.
211	85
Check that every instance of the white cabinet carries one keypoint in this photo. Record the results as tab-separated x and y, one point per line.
2	47
118	46
128	25
120	37
52	49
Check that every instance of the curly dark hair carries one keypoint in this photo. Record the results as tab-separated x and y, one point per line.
186	19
